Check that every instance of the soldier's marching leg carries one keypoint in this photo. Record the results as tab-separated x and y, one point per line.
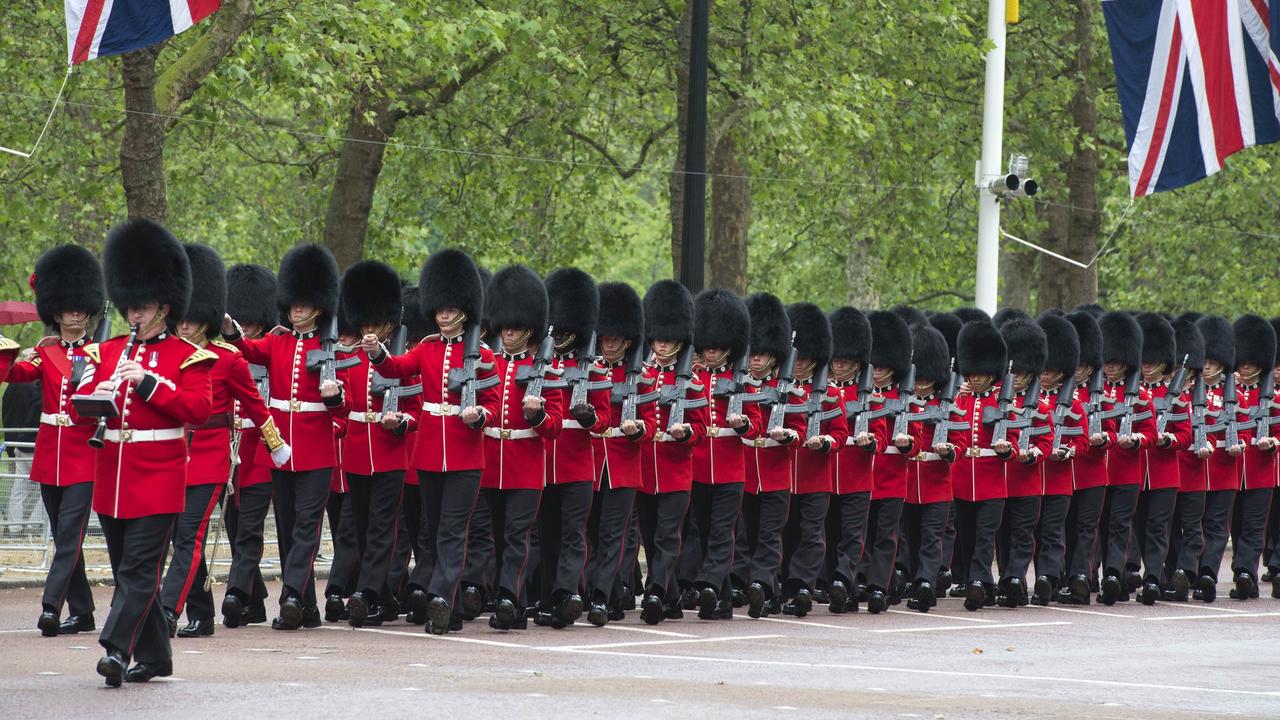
68	509
719	533
882	544
244	602
1086	507
1050	547
300	500
448	499
479	576
615	510
661	596
986	522
136	627
1159	517
1251	511
1189	509
376	510
571	564
514	513
854	510
1123	500
1217	523
346	555
1020	515
1272	555
948	579
184	581
809	511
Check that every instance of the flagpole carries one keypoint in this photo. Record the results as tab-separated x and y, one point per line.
989	166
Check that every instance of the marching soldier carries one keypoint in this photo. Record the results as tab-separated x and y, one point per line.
68	289
303	409
949	325
1255	360
1186	536
1271	558
1088	470
210	444
409	526
157	383
338	508
847	516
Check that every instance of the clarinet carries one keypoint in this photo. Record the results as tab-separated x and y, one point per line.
100	434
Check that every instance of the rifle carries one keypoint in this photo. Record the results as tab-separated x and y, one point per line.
1093	409
1199	413
1062	413
325	360
1228	424
676	395
391	389
786	387
939	414
1260	414
1030	412
1164	405
534	377
855	409
1132	399
737	388
906	398
466	380
863	421
577	377
101	334
814	414
999	415
627	393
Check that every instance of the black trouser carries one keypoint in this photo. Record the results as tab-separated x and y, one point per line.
740	568
1272	554
562	539
407	531
1082	528
976	527
482	559
1186	539
765	517
923	525
136	625
662	520
447	501
245	516
715	510
300	499
1248	529
804	541
611	516
1123	500
346	545
884	518
184	582
690	549
1217	525
1050	536
375	507
850	512
1157	507
949	542
1016	541
636	539
68	509
514	513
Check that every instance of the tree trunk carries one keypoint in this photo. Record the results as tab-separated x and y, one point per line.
675	181
858	266
142	150
1017	270
370	126
730	217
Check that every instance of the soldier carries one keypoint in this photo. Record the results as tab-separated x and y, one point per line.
667	467
721	331
566	501
949	325
847	516
157	383
1271	558
1255	360
1186	537
210	444
449	451
1088	470
303	408
68	289
251	293
409	526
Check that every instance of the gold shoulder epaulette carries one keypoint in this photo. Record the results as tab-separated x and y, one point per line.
7	344
200	355
225	346
92	351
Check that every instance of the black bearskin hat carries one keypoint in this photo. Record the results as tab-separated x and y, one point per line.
67	277
668	312
371	295
308	275
1062	342
890	342
981	350
574	306
911	315
721	320
850	334
449	279
770	325
971	314
621	312
813	332
208	289
1094	309
415	323
1190	316
516	298
1121	339
1219	341
1275	325
1190	343
143	263
949	325
930	354
1158	342
1090	336
1255	342
251	293
1026	345
1006	314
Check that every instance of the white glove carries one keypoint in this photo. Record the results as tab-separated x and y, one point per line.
281	455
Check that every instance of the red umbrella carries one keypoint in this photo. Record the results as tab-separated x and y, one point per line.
16	312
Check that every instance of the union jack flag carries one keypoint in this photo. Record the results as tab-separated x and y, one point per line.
97	28
1198	80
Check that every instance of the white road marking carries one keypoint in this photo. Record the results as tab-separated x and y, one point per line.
1214	617
1084	612
48	672
650	643
650	631
306	657
31	630
799	622
784	707
78	647
447	638
913	613
1195	606
971	627
192	652
418	665
535	695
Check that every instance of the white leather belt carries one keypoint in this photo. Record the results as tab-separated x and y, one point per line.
893	450
57	419
984	452
664	437
133	436
244	423
761	442
363	417
928	457
440	408
509	434
571	424
612	432
296	405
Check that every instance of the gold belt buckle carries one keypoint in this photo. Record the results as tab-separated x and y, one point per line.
238	423
713	431
64	420
506	434
295	406
608	432
445	409
126	436
370	417
759	442
974	452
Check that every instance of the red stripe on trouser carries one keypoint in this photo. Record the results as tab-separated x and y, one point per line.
84	527
197	553
155	591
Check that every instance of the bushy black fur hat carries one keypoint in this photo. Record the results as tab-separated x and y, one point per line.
1275	325
813	332
770	325
981	350
1121	339
415	323
449	278
1090	336
1094	309
516	298
949	325
621	312
668	312
1190	316
1255	342
850	334
67	277
1004	315
144	263
930	354
208	289
308	275
890	342
1062	343
970	314
574	306
1190	343
721	320
1219	341
371	295
251	295
1159	345
911	315
1026	345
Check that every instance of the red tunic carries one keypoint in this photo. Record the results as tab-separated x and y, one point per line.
667	464
1025	479
853	464
721	458
1059	476
1160	465
62	453
1124	466
571	456
142	470
367	447
979	474
889	474
929	475
233	394
812	469
1089	467
514	454
1258	470
615	453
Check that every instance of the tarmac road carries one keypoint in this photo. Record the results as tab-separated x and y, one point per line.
1127	661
